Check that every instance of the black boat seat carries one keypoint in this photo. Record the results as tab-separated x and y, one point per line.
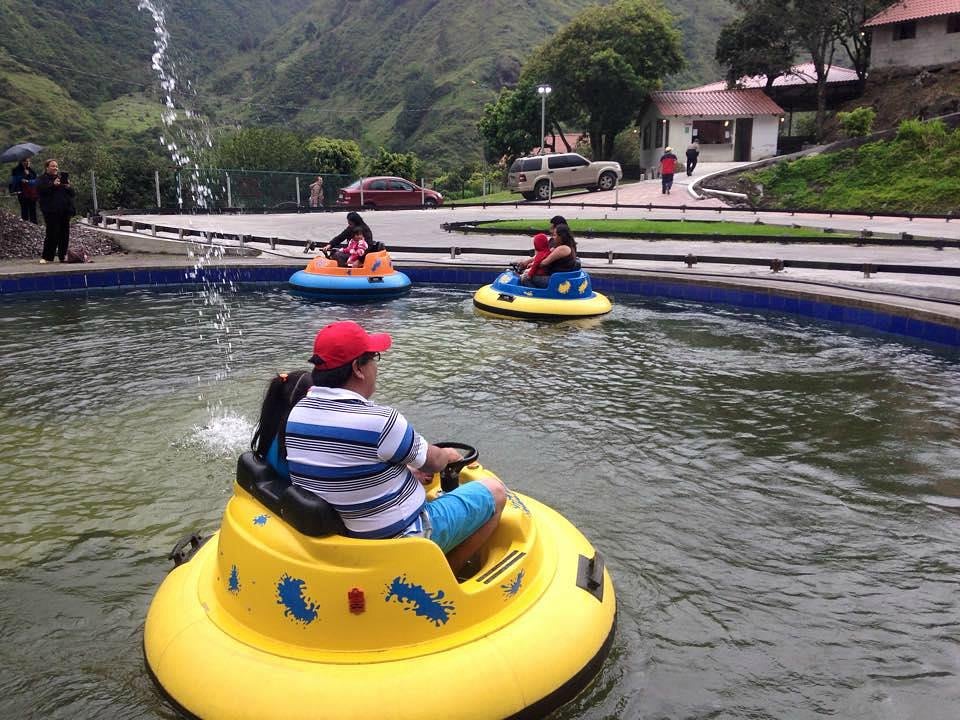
305	511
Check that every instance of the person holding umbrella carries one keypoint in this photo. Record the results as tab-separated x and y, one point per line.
23	180
57	205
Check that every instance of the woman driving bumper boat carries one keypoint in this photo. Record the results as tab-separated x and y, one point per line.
331	249
565	292
332	276
562	258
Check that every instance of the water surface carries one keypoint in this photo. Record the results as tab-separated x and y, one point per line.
777	500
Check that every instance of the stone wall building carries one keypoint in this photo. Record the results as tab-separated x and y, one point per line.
915	33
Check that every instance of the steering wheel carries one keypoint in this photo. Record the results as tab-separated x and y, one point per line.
450	475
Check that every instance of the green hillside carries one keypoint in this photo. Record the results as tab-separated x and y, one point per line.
61	59
917	171
411	75
416	75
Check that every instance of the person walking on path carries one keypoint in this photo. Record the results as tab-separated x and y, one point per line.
23	182
316	192
57	205
693	152
668	166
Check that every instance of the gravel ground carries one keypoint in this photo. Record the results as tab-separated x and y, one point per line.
19	239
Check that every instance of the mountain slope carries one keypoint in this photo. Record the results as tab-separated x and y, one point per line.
95	51
405	74
415	74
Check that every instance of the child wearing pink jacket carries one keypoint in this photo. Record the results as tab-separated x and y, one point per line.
356	249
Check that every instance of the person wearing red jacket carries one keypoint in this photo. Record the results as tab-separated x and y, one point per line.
533	275
668	165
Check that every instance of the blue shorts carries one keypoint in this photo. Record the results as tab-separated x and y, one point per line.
456	515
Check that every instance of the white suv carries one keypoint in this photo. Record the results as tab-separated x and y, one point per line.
537	176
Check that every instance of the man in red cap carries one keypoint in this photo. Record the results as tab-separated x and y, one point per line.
359	456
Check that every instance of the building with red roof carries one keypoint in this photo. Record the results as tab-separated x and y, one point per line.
915	33
729	125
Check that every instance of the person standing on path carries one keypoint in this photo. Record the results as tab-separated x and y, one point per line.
23	182
693	152
57	205
668	166
316	192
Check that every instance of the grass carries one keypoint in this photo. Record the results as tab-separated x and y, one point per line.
918	172
130	114
669	227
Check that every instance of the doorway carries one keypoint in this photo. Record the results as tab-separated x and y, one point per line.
743	139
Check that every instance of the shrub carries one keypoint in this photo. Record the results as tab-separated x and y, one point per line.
910	131
858	122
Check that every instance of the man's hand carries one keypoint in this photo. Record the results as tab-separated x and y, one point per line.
424	478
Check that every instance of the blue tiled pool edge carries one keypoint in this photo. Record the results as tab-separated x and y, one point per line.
910	322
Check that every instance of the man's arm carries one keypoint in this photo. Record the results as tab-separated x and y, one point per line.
438	458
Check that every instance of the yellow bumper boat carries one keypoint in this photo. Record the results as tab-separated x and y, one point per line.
278	616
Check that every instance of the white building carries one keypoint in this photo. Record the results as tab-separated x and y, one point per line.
730	125
915	33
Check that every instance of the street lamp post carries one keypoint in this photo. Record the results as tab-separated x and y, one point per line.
543	91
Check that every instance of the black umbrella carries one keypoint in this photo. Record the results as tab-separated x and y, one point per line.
19	152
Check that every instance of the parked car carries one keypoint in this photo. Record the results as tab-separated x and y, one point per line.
388	192
533	176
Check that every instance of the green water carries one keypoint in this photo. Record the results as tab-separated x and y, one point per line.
777	501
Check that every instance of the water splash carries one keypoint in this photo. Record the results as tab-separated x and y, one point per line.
187	133
224	435
187	139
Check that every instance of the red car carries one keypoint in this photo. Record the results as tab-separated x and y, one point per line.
388	192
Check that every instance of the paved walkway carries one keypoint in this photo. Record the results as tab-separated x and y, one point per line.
423	228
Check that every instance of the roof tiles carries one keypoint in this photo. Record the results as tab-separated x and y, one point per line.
913	10
717	103
803	74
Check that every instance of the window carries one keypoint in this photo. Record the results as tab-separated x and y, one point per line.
646	136
555	162
710	132
658	141
953	23
400	185
378	185
530	165
905	31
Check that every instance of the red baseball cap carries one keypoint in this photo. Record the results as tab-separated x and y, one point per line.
343	342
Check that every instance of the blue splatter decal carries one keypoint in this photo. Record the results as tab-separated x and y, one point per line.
233	584
296	605
517	502
376	264
414	597
260	520
513	587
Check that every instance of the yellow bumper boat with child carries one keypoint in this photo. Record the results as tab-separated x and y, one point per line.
277	616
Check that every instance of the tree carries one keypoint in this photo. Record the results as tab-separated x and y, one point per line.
814	24
604	63
335	156
406	165
760	42
852	15
262	149
507	124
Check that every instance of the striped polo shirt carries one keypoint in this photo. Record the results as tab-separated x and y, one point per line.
354	454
